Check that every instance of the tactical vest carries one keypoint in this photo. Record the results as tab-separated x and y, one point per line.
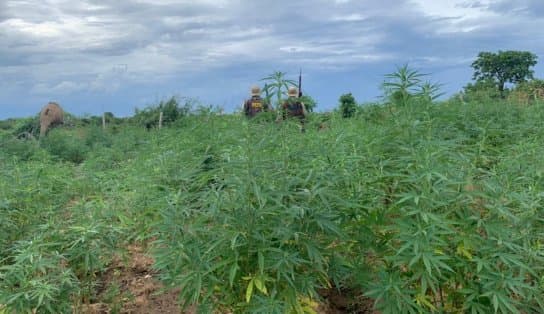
293	109
254	106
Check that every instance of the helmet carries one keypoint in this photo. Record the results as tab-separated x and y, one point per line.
292	92
255	91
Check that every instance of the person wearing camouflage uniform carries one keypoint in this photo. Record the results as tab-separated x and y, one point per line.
255	104
293	107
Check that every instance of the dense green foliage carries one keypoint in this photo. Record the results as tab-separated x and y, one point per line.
348	105
524	93
504	67
425	208
309	103
482	91
171	109
529	92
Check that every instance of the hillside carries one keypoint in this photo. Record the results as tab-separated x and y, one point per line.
407	209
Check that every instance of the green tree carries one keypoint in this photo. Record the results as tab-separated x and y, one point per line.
277	84
348	106
504	67
309	102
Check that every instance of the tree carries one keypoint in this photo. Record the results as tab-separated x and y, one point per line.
504	67
309	102
348	106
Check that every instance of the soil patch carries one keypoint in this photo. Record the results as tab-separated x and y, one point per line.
132	287
345	302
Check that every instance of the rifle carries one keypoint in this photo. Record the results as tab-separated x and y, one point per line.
300	84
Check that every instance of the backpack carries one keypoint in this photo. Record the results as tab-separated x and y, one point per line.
294	108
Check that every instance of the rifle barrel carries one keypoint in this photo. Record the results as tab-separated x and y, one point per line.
300	83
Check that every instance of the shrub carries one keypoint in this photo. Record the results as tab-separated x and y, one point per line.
372	112
37	280
96	136
65	146
309	102
22	149
172	111
28	126
528	92
482	92
8	124
348	106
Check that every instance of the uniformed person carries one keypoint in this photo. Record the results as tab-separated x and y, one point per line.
255	104
293	107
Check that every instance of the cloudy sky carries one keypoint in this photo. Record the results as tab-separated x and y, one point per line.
98	55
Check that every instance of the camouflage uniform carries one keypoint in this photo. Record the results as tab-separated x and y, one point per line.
294	108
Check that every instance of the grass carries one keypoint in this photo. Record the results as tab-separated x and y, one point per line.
424	208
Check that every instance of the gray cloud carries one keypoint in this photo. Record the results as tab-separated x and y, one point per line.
181	35
68	47
528	8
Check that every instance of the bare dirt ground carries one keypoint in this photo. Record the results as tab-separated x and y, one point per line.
137	289
345	302
131	286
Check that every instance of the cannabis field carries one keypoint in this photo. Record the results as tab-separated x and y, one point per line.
427	208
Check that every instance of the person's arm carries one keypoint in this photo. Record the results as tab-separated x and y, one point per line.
246	107
304	112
